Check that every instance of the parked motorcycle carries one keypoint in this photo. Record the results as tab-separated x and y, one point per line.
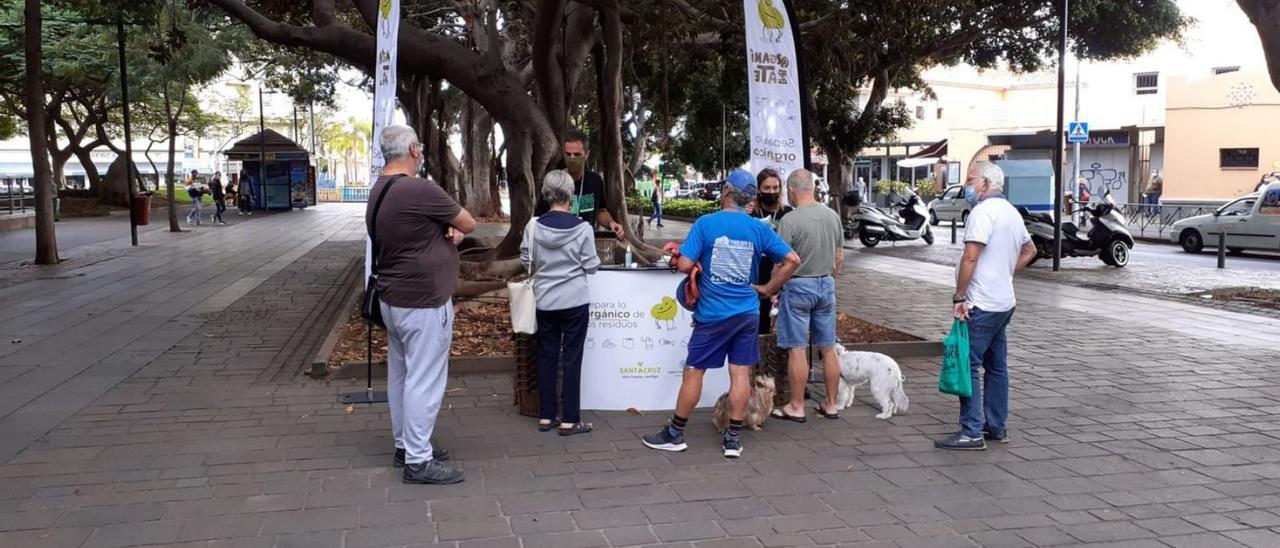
873	225
1103	233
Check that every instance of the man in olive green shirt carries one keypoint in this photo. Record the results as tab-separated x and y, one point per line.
807	305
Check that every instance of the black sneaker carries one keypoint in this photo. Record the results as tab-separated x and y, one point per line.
997	436
960	442
432	472
732	447
441	455
664	441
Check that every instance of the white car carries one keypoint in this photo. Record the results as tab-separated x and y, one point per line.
950	206
1251	221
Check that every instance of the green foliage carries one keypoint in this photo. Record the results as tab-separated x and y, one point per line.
888	187
638	204
924	188
690	209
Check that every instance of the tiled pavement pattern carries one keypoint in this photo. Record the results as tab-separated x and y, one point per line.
1125	433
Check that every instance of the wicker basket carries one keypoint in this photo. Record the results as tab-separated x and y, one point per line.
525	378
773	363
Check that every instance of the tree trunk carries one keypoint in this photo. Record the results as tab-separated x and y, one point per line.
837	177
59	165
33	97
611	127
1265	15
91	174
168	177
477	125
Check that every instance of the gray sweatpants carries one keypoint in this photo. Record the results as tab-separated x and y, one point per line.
418	342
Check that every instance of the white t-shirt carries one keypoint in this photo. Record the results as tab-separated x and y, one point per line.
997	225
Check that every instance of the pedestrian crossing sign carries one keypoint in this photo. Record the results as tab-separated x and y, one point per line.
1078	132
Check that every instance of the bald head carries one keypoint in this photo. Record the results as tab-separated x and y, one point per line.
800	186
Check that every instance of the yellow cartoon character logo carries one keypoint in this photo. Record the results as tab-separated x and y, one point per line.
665	311
384	6
771	20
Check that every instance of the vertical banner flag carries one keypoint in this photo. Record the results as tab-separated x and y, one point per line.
384	95
773	76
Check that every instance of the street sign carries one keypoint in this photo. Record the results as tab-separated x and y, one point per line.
1078	132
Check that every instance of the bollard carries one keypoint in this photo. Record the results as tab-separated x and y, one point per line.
953	231
1222	249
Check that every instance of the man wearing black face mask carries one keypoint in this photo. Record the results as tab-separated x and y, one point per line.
588	187
769	209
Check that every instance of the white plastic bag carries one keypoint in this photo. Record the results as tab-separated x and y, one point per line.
524	310
524	307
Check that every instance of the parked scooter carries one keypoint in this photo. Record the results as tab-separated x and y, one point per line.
873	225
1103	232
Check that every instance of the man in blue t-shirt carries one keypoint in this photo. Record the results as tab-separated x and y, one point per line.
727	245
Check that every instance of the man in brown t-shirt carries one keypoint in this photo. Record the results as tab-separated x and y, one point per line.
415	249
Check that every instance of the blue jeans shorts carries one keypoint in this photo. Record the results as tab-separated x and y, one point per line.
735	338
807	306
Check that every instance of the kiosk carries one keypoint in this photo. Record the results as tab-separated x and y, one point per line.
287	180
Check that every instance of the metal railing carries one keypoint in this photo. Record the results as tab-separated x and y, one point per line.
1155	220
16	197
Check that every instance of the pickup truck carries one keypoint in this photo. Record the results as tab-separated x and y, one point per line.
1250	222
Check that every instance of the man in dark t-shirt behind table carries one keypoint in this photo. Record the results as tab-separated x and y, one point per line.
416	234
588	187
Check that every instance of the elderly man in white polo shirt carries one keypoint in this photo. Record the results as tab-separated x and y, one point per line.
996	244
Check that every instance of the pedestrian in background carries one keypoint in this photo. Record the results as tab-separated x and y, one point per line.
657	199
559	248
996	244
1154	189
807	304
415	234
726	246
196	190
245	193
219	197
770	209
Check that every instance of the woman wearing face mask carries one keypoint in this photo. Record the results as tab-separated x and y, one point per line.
769	209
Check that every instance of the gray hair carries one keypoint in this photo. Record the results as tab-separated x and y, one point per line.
742	198
396	140
557	187
800	181
992	173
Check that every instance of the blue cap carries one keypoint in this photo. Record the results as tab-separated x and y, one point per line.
742	181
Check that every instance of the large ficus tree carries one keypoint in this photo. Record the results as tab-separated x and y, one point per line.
1265	16
520	61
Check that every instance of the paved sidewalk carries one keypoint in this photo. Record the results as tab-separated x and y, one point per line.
1128	429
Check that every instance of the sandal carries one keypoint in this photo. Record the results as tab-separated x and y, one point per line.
824	414
577	428
549	426
778	413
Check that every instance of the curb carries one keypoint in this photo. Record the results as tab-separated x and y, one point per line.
466	365
320	362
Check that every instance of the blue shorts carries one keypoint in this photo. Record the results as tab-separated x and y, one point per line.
735	338
807	307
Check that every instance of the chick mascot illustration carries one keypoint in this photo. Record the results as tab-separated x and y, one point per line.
771	19
665	311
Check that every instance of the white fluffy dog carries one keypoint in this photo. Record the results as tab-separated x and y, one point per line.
883	373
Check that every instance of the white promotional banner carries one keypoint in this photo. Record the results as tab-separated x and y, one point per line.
637	342
384	94
384	87
777	140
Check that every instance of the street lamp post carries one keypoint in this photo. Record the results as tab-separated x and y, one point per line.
128	138
1059	138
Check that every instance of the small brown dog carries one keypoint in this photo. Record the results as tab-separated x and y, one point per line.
759	405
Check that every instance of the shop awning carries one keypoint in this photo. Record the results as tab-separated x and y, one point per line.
927	156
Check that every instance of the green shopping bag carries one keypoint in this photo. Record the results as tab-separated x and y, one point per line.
953	377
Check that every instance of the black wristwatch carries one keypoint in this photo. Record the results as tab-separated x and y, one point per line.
957	299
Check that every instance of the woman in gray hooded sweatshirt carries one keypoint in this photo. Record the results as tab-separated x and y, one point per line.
560	250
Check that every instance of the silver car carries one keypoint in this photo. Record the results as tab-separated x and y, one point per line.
950	206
